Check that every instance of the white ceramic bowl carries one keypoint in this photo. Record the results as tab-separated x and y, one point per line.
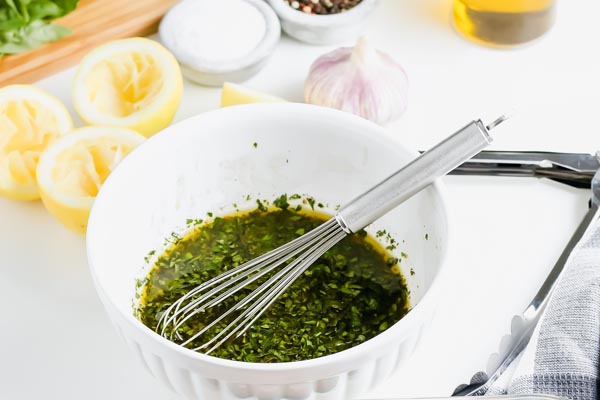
208	162
194	65
324	29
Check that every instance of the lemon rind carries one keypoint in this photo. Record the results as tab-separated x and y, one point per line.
23	92
244	95
46	162
9	188
167	99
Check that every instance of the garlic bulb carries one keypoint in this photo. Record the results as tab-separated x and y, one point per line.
360	80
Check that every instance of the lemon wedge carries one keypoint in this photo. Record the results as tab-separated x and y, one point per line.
71	171
233	94
30	119
133	83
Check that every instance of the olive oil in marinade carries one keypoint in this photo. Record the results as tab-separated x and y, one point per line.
351	294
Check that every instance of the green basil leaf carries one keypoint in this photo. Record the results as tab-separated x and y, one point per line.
33	35
67	5
44	9
22	8
10	21
43	32
25	24
12	7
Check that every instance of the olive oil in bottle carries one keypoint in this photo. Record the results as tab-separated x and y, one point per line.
503	23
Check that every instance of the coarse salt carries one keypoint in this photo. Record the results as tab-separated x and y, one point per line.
209	31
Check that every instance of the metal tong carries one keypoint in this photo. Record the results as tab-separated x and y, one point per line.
523	325
573	169
578	170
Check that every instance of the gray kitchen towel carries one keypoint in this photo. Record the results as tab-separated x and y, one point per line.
562	356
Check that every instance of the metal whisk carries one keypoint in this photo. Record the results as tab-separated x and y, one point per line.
307	248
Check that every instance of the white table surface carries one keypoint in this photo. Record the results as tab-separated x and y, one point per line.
55	339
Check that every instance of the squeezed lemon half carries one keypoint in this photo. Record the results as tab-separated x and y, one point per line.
233	94
72	170
30	120
134	83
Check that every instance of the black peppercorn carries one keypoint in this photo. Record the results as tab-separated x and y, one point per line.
322	7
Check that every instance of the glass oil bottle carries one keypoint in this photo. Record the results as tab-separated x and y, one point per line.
503	23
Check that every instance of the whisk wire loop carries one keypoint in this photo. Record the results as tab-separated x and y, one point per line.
175	309
278	283
216	290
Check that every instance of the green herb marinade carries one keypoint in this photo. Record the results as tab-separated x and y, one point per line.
351	294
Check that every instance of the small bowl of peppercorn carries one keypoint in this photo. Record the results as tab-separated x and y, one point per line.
323	22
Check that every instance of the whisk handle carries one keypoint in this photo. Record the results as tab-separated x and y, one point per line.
415	176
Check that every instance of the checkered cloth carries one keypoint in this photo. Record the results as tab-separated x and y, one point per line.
562	356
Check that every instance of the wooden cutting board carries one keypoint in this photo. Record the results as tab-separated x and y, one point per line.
93	22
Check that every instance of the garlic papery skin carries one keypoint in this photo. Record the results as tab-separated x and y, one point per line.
361	80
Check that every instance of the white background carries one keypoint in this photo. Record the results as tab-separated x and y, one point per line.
55	339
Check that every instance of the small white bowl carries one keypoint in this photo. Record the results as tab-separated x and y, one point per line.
208	162
324	29
208	72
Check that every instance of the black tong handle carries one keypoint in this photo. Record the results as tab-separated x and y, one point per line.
573	169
